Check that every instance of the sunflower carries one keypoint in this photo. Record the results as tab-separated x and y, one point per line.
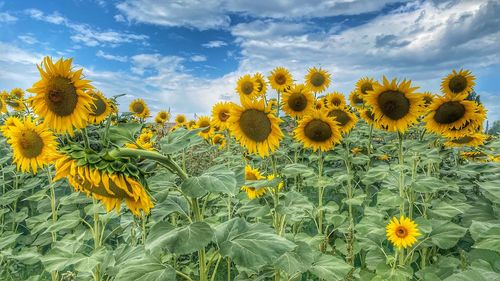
3	108
335	99
61	96
364	85
261	83
384	157
428	98
202	122
4	95
402	233
356	100
319	104
255	127
472	140
272	103
143	141
298	101
318	131
219	140
190	125
100	108
317	80
9	123
220	114
280	184
453	117
16	104
252	174
394	105
247	88
139	108
458	84
106	185
180	119
367	115
280	79
34	145
344	117
356	150
17	93
162	117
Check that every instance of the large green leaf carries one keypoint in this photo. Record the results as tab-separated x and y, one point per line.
8	238
171	204
447	210
124	133
146	268
296	205
58	258
491	190
179	140
218	179
293	170
446	234
180	240
329	267
65	222
486	235
298	260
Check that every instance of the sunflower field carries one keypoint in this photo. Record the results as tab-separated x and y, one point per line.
388	184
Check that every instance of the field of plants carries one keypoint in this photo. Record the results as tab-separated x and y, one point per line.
388	183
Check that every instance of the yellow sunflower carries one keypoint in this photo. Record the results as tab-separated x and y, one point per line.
472	140
335	99
261	83
108	186
100	108
384	157
356	100
191	124
319	104
255	127
34	146
202	122
220	114
297	101
356	150
9	123
280	184
180	120
272	103
16	104
346	120
61	96
17	93
4	95
428	98
162	117
317	80
318	131
143	141
402	233
280	79
247	88
139	108
367	115
364	85
394	105
458	84
3	107
219	140
253	175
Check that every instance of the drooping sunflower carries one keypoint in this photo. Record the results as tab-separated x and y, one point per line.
458	84
220	114
280	79
335	99
255	127
139	108
472	140
110	185
453	117
219	140
204	122
16	104
61	96
297	101
356	99
247	88
346	120
180	120
261	83
402	233
17	93
394	105
317	80
33	145
318	131
252	174
100	108
364	85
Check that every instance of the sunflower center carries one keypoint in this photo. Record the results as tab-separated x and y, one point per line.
99	106
181	119
61	96
340	116
449	112
318	130
366	87
223	116
297	102
163	115
31	144
255	125
462	140
251	177
247	88
427	100
280	79
336	102
138	107
457	84
370	115
401	232
205	124
394	104
317	79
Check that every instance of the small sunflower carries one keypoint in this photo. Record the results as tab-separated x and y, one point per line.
34	146
261	83
458	84
3	107
402	233
247	88
252	174
356	99
139	108
384	157
356	150
280	79
473	140
335	99
100	108
9	123
4	95
428	98
272	103
143	141
319	104
298	101
219	140
317	80
364	85
255	127
318	131
17	93
346	120
16	104
180	120
61	96
367	115
202	122
191	124
220	114
162	117
394	105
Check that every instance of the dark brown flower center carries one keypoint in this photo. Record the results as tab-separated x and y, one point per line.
297	102
61	97
318	130
394	104
255	125
280	79
101	190
223	116
98	107
449	112
336	101
357	99
427	100
250	177
247	88
163	115
181	119
204	124
317	79
31	144
457	84
401	232
365	87
341	116
138	107
369	115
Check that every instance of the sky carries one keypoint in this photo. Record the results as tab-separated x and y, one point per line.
185	55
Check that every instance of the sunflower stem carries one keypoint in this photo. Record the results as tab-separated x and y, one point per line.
350	240
320	192
279	104
401	173
97	240
53	274
369	144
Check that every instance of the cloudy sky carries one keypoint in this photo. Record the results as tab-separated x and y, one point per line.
187	54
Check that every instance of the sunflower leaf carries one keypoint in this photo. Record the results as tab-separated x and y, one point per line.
180	240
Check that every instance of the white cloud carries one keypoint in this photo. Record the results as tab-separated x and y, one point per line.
7	18
104	55
119	18
214	44
198	58
28	39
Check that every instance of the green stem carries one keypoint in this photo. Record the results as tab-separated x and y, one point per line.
401	173
320	192
53	274
97	240
350	240
228	269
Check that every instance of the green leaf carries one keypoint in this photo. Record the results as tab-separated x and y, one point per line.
10	196
446	234
124	133
293	170
8	238
329	267
146	268
445	210
217	179
180	240
170	205
296	205
491	190
65	222
58	258
179	140
298	260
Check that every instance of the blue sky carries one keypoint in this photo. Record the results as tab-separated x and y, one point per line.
187	54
